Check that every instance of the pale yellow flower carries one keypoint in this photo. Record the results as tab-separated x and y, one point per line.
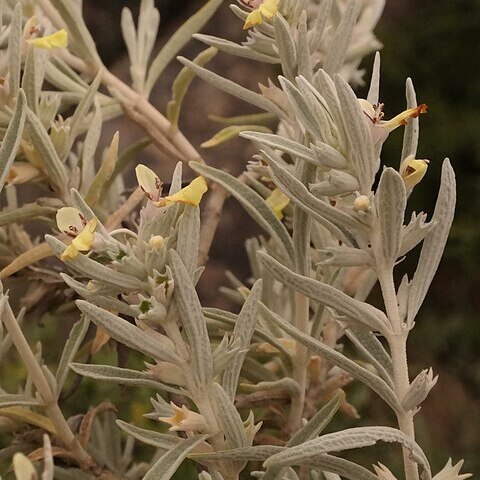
267	9
277	201
380	128
59	39
413	170
71	222
184	420
23	468
22	172
152	186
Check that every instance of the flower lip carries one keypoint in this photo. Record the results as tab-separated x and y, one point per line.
71	222
261	9
152	186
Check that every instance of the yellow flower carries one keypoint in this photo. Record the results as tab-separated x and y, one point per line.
277	201
266	9
184	420
23	468
191	194
71	222
380	128
152	186
413	170
58	39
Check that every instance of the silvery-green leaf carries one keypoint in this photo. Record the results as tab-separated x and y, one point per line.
316	33
328	156
95	270
128	334
254	454
75	339
102	301
50	377
242	333
233	48
357	311
303	48
188	237
14	50
29	80
336	182
360	138
178	40
434	242
318	106
341	40
374	89
304	111
341	467
193	321
390	201
330	217
415	232
230	419
286	384
129	33
369	357
150	437
78	117
301	223
89	147
169	462
328	93
286	46
226	320
121	376
232	88
373	381
62	81
12	138
411	132
26	212
253	203
81	42
182	82
286	145
314	427
348	439
7	400
345	257
56	170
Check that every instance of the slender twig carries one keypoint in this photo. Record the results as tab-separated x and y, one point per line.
52	409
398	349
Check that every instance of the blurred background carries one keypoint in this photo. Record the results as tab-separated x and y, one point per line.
435	42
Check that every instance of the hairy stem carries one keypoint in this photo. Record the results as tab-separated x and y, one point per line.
300	362
52	409
398	349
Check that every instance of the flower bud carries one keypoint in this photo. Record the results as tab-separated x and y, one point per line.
361	203
23	468
419	389
413	170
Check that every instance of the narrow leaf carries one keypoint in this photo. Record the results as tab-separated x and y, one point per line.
127	333
169	462
193	321
75	339
12	138
178	40
242	333
253	203
434	242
